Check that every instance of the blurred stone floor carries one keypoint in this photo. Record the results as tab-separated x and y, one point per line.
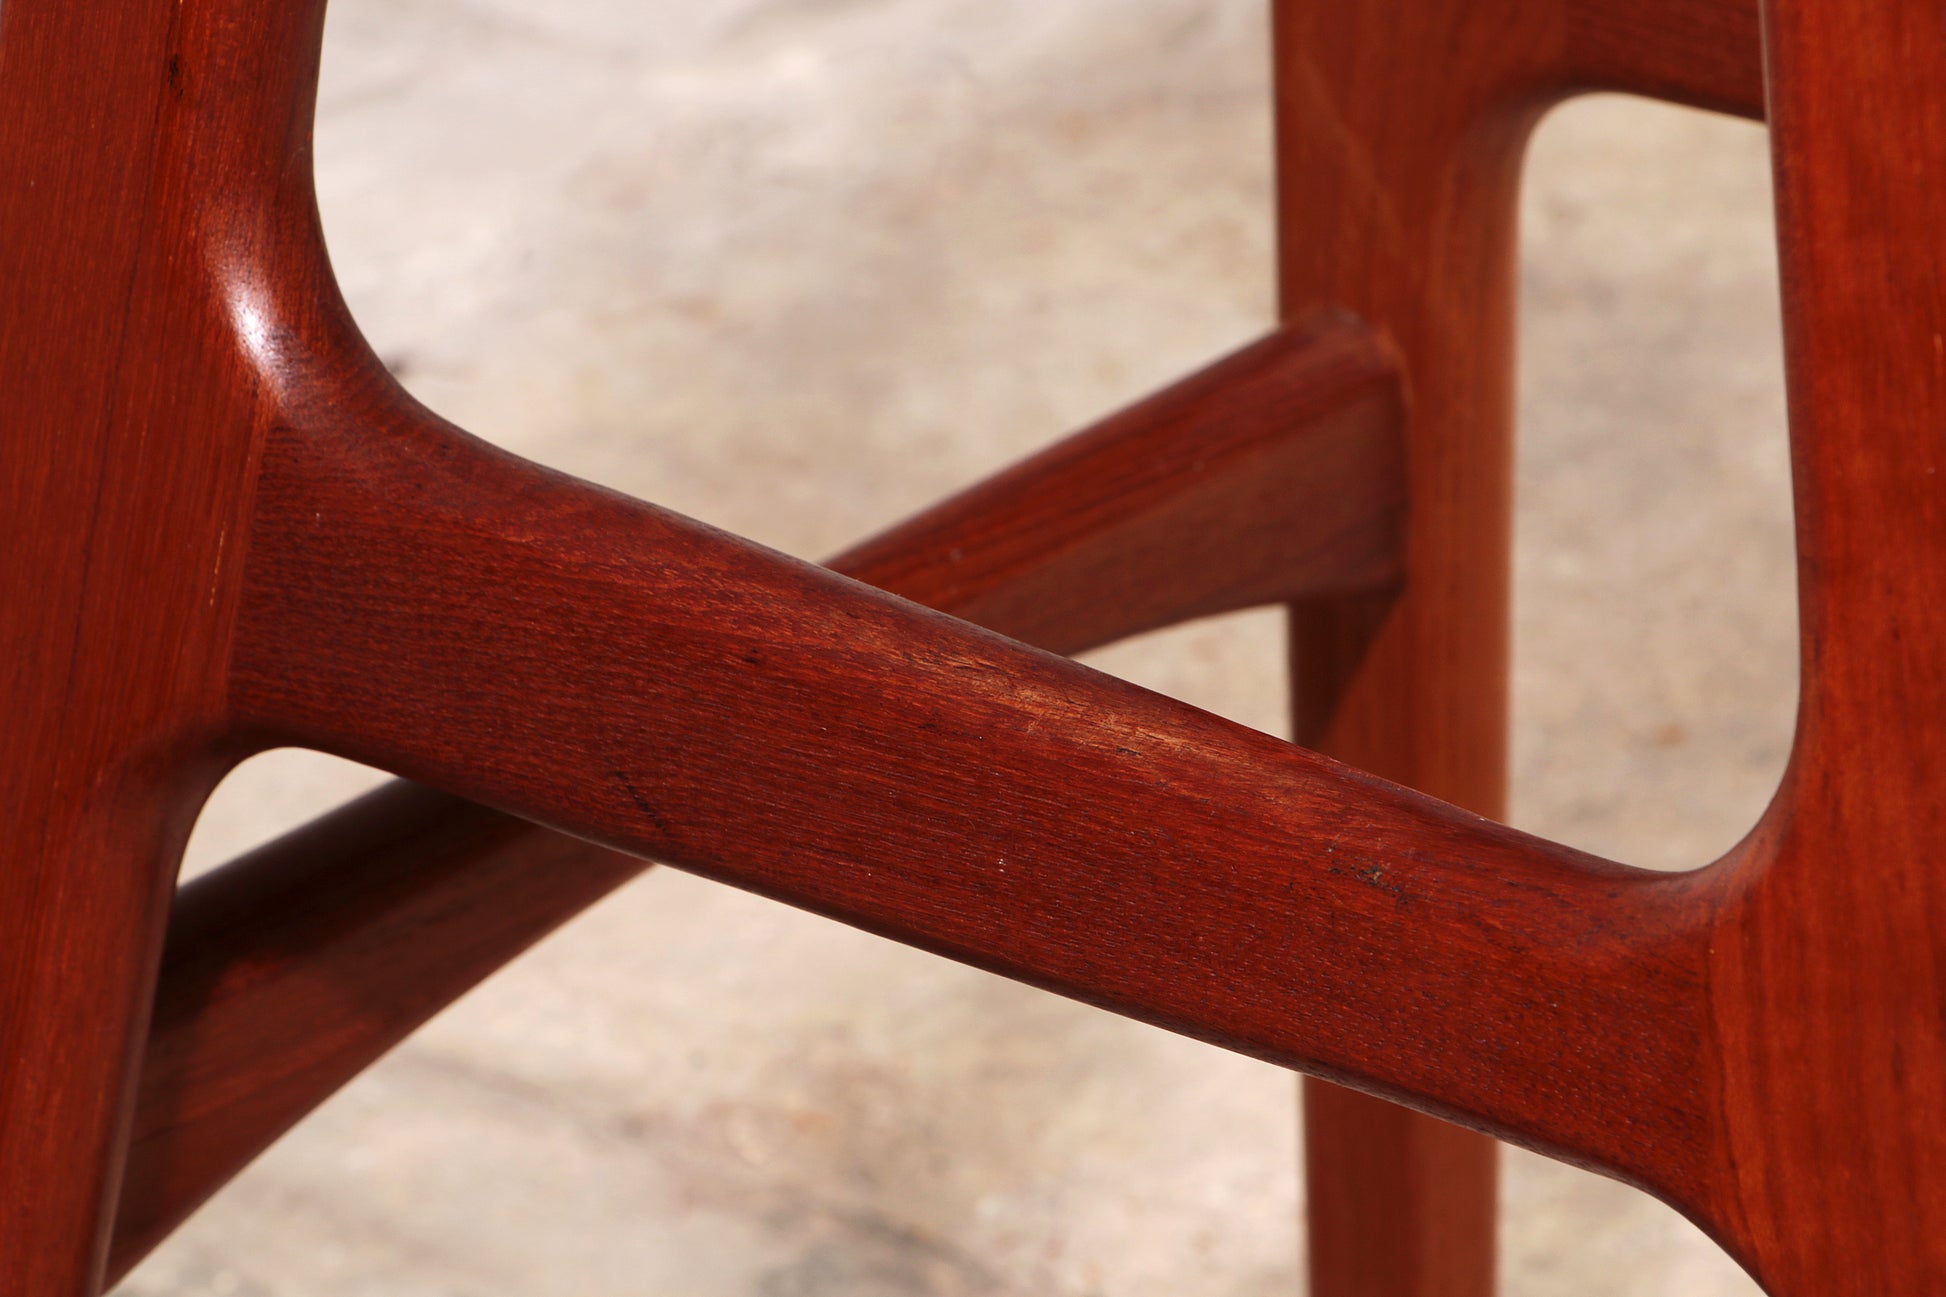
798	267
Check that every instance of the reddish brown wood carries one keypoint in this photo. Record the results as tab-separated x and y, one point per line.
295	967
292	969
1701	52
232	529
1388	1201
1829	1049
127	238
635	678
1416	130
1274	474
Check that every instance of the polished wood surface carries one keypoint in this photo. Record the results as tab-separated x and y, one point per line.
233	530
688	696
1418	238
1705	53
147	158
294	968
1828	1004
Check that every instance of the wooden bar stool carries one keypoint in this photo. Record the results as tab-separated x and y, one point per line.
227	529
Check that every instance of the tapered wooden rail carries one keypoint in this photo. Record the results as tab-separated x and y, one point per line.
656	686
1274	475
1274	471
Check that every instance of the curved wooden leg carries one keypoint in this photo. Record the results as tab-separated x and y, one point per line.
130	425
1827	985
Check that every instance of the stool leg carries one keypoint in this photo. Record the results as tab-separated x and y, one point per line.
83	901
1400	129
149	156
1397	1204
1826	981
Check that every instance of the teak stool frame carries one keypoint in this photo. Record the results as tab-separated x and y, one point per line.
226	528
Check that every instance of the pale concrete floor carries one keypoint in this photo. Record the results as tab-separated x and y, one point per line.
798	268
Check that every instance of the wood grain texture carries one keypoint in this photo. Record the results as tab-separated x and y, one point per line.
294	968
1273	475
135	174
1397	1202
231	530
638	679
1414	126
1416	130
1826	979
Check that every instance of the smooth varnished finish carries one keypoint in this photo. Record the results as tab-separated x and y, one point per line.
902	780
1826	975
148	159
295	967
231	530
